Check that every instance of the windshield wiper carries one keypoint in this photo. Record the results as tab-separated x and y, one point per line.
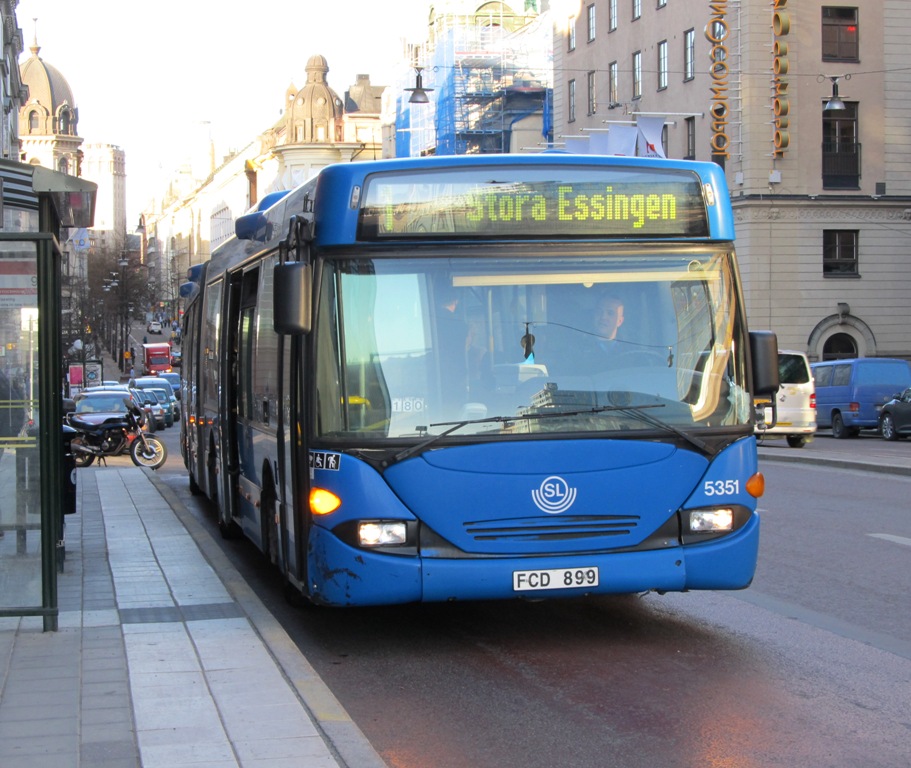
634	410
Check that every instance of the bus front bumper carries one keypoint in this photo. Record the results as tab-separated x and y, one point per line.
345	576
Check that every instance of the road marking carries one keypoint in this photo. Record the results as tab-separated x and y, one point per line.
894	539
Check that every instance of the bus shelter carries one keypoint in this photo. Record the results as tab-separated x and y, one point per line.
34	478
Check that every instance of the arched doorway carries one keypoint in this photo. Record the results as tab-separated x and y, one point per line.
840	346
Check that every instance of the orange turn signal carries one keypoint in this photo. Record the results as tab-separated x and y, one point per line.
323	502
756	485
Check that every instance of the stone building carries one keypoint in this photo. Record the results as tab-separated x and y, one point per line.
317	127
49	137
805	105
12	91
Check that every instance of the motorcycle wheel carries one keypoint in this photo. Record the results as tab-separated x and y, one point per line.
149	453
80	458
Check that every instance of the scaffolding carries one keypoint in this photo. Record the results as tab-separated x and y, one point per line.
489	70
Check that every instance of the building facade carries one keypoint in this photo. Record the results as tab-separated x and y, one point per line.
196	213
485	71
806	106
48	129
13	92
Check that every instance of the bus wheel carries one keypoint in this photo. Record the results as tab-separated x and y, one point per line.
797	441
297	599
228	528
270	529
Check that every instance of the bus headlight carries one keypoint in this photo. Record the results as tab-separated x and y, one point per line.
376	533
711	520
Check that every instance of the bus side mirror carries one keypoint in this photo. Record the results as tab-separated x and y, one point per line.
764	352
291	301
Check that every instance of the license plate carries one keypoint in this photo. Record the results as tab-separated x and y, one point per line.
555	578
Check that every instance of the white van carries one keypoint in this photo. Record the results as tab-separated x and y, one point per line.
796	398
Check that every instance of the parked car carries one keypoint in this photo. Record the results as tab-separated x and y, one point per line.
155	410
154	327
152	410
107	402
166	398
850	394
795	400
895	417
174	379
157	382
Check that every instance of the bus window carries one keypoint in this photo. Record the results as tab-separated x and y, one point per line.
423	342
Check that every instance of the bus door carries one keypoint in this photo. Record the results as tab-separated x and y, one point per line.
237	437
296	459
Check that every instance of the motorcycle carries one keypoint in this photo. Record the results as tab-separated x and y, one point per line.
105	435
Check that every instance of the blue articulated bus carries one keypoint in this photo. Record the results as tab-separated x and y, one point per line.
486	377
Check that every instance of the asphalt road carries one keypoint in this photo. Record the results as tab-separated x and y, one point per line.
808	667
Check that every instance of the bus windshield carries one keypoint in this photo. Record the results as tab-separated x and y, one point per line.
567	343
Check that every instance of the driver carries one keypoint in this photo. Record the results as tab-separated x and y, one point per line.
607	321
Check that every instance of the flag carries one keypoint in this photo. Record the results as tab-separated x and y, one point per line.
599	143
650	129
80	239
577	145
621	140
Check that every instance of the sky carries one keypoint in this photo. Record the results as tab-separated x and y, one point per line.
149	76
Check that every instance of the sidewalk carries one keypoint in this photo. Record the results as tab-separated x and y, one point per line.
164	657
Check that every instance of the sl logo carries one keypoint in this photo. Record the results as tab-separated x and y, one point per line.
554	495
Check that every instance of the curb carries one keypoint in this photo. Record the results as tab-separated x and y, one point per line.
862	466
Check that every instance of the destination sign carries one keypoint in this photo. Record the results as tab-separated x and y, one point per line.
626	203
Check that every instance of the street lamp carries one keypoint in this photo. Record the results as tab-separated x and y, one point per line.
835	102
419	92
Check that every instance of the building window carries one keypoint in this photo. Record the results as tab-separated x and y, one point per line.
690	124
33	122
840	148
571	34
612	15
637	9
839	346
571	97
662	65
591	22
592	94
839	34
689	54
613	95
839	252
662	3
637	74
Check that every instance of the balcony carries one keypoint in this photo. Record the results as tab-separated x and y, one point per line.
840	165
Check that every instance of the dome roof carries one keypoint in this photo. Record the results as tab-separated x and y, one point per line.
45	82
50	92
315	111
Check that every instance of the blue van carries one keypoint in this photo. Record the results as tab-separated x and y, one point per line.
851	393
